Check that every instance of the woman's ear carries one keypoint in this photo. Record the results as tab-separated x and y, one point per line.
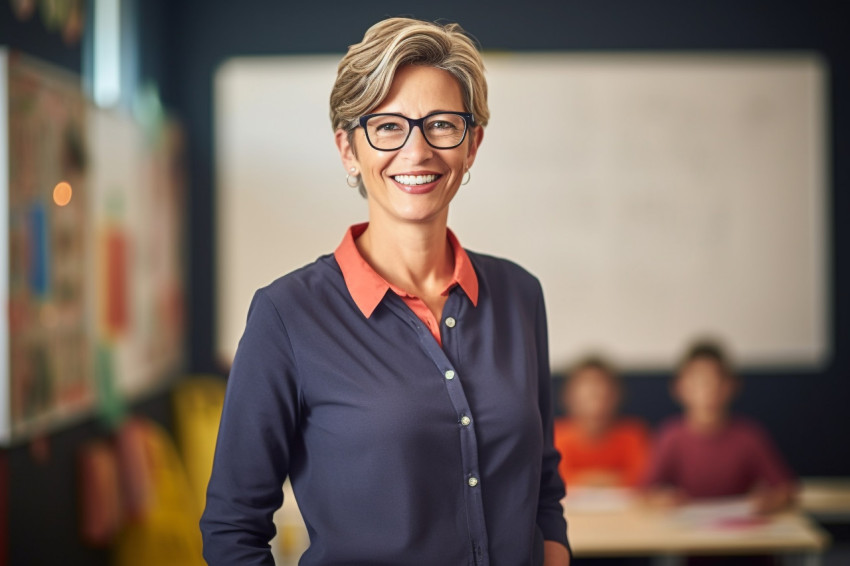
475	139
346	151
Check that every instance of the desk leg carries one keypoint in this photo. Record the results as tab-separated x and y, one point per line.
668	560
807	559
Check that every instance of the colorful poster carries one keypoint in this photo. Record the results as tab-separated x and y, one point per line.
49	367
92	209
137	193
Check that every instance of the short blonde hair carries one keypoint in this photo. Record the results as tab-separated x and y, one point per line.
366	73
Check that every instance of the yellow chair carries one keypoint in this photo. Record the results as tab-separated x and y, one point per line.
197	410
166	532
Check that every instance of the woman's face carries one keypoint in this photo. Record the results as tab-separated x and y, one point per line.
390	176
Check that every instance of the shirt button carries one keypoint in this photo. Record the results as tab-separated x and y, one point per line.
450	322
464	420
473	481
450	374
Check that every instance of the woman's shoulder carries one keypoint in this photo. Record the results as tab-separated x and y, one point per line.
495	269
305	281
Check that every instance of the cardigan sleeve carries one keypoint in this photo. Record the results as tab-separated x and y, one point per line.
252	455
550	513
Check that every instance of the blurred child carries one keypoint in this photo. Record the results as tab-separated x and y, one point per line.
709	453
598	448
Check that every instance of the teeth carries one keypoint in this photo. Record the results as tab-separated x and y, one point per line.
410	180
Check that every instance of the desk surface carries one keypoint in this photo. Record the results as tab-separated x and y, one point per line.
613	524
624	527
827	499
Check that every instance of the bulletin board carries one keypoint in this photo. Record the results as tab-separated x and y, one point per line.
91	255
658	197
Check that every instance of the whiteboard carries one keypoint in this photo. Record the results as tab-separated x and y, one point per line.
658	197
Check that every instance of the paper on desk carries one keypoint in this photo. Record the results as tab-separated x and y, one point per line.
718	513
598	499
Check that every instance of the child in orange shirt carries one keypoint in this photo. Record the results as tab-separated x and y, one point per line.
598	448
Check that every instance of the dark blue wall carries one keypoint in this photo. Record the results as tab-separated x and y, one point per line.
32	37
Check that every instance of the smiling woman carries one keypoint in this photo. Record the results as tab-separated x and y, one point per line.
407	162
401	383
366	74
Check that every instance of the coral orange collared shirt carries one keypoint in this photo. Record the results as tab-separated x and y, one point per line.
368	288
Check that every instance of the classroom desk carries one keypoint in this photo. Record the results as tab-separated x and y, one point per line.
620	526
612	524
826	499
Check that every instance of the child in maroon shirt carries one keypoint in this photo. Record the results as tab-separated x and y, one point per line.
708	453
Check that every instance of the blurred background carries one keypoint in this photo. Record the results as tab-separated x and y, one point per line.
127	158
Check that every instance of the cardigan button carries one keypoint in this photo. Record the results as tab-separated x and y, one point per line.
465	420
473	481
450	374
450	322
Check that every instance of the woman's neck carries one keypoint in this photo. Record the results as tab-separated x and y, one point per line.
413	257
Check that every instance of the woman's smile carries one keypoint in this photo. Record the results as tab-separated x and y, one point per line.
417	183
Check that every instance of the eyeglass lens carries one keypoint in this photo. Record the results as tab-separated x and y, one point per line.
443	131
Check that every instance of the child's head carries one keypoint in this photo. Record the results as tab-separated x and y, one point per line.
592	392
705	383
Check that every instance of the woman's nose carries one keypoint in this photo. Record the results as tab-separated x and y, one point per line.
417	148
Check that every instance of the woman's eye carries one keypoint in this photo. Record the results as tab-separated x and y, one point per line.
442	125
388	127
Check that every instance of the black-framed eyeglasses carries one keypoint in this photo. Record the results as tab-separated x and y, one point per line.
442	130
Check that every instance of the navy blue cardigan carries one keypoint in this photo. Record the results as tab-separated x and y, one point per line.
399	451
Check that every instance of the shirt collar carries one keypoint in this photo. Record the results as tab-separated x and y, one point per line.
367	288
